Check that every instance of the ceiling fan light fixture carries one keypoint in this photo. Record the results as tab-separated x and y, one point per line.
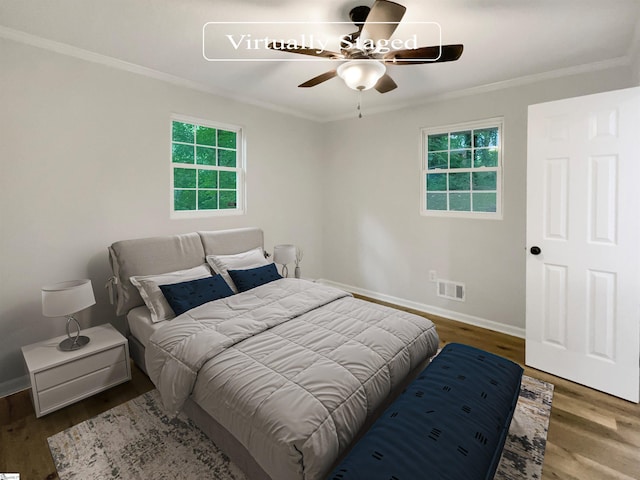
361	74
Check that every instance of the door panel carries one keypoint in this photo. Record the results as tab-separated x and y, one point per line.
556	201
555	313
583	210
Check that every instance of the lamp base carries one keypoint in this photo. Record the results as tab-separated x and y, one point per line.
73	343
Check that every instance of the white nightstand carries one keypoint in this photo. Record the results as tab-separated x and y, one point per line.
60	378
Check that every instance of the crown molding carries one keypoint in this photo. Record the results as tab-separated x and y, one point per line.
69	50
75	52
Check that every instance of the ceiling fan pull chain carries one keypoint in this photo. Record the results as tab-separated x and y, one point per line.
360	103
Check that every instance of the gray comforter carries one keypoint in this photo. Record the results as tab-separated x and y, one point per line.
291	368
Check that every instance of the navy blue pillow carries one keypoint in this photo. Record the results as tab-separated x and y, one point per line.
184	296
254	277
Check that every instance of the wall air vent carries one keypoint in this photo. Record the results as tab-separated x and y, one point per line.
451	290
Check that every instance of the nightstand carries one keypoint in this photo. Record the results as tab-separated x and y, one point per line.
60	378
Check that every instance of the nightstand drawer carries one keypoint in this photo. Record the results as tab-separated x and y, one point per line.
79	368
82	387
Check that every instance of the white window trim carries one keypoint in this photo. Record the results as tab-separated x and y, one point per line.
241	200
424	132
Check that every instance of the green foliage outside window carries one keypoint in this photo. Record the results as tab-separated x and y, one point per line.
205	167
462	169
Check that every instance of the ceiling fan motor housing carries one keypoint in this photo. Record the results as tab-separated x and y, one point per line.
358	15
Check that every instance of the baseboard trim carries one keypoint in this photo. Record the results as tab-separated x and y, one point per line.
430	309
14	385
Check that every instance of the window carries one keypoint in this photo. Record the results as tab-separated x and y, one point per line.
207	176
462	170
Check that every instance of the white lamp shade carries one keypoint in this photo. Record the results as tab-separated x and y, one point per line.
66	298
284	254
361	74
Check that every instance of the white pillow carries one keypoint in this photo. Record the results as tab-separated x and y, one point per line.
239	261
149	288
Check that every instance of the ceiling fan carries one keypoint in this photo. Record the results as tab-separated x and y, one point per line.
366	63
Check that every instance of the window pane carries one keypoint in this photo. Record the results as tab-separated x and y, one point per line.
438	142
227	200
460	140
487	137
460	202
184	199
228	180
207	179
484	202
205	135
205	166
182	132
461	159
459	181
207	199
436	201
463	166
184	178
486	157
227	158
436	181
205	156
484	180
182	153
438	160
226	139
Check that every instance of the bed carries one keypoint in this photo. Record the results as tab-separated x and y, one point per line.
283	374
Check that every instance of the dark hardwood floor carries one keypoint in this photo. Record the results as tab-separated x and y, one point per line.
592	436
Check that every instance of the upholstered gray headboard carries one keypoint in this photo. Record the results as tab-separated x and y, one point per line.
154	255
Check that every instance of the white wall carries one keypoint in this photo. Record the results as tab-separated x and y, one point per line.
84	162
386	249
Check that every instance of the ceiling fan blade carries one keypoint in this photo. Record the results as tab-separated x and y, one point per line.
314	52
449	53
323	77
382	11
385	84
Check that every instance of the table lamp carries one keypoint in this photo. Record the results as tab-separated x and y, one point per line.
284	254
65	299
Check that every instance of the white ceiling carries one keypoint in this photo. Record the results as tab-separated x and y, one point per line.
503	40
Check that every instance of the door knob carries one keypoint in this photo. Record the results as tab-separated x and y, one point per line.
535	250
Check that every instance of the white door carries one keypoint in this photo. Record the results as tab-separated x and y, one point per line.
583	240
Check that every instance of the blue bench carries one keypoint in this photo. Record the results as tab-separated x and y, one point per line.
449	424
